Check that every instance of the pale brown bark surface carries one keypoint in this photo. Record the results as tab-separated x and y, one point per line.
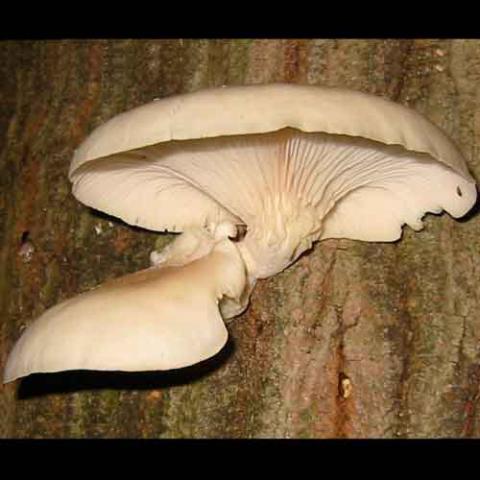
399	320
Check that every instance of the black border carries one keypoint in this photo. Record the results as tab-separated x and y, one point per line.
232	19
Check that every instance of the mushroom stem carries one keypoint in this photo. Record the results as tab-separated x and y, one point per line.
269	250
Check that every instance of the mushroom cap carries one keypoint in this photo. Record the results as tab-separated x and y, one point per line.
155	319
294	163
243	110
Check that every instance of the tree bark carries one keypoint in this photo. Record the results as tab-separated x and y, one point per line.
354	340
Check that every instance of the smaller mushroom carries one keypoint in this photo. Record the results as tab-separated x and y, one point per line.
160	318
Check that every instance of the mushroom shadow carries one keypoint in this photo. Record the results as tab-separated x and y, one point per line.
117	221
473	212
43	384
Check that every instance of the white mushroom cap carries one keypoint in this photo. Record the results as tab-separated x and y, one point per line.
156	319
294	163
243	110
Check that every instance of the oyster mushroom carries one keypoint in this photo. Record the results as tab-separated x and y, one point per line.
293	164
160	318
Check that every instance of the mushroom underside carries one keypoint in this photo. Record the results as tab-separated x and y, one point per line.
289	187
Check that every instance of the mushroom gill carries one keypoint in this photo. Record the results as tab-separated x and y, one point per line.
289	187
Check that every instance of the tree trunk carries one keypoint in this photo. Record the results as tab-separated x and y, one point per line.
354	340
